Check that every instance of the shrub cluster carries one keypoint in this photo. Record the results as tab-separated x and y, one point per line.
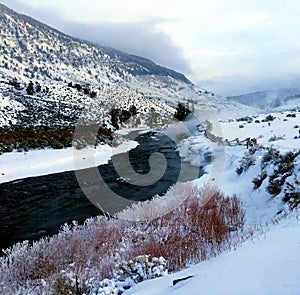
292	194
276	137
269	118
22	138
121	116
284	168
245	119
271	155
257	181
85	88
247	161
197	230
82	255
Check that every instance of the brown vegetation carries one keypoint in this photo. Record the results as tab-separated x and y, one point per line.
201	227
25	138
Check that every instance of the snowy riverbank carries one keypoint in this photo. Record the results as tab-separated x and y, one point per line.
17	165
269	262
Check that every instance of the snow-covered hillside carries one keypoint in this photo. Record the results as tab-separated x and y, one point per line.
32	49
250	155
267	259
263	257
276	133
102	78
270	100
267	264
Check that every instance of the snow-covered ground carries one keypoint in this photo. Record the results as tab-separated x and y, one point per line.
283	129
268	264
17	165
256	201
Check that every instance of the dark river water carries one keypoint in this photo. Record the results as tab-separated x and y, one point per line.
37	206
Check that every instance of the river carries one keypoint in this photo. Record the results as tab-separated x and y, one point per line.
34	207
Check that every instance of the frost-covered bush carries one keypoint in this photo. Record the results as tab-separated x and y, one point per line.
257	181
201	225
198	229
160	205
141	268
247	161
77	251
284	169
129	273
105	287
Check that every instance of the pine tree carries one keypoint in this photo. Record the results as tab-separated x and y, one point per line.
30	89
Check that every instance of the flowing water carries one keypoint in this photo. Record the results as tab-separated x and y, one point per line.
37	206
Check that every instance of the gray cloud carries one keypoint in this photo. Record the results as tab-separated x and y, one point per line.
139	38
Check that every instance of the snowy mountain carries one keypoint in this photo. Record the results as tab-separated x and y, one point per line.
37	51
269	99
74	80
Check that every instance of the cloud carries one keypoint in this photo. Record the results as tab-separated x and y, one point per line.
140	38
239	85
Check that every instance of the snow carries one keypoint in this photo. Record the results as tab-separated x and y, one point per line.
268	262
260	206
281	126
268	265
17	165
8	107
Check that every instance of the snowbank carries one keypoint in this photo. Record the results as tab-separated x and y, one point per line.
269	265
17	165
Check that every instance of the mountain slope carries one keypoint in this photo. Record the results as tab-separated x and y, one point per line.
75	82
33	49
268	99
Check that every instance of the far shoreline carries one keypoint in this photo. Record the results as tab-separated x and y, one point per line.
19	165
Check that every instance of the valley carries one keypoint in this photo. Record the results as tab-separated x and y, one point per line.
115	170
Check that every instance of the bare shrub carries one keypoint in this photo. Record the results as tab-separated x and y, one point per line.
197	230
88	248
247	161
196	225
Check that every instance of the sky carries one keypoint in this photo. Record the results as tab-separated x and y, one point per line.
230	47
